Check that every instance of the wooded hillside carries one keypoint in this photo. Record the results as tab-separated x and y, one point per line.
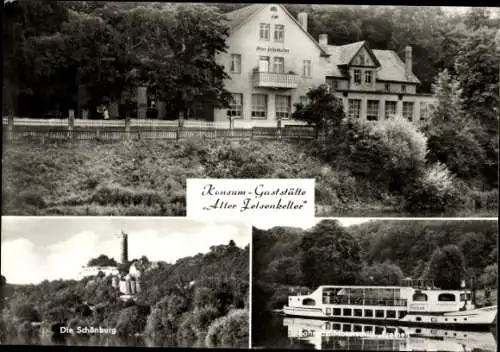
198	301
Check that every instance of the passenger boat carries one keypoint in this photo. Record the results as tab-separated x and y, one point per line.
415	302
363	336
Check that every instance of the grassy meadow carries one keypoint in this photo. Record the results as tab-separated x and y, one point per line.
148	178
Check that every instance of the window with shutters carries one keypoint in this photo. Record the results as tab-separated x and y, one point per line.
372	110
357	76
264	31
408	110
368	77
306	68
390	109
282	106
279	33
236	106
235	63
279	64
354	108
259	106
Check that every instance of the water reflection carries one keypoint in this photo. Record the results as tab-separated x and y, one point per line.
77	340
346	336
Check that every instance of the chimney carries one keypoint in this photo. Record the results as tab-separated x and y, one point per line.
302	17
408	62
323	40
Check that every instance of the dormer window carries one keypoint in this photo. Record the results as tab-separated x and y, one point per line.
403	88
357	76
368	77
387	87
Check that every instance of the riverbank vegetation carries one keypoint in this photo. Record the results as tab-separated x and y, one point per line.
149	177
199	301
379	252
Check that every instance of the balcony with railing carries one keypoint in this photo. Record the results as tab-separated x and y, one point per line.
275	80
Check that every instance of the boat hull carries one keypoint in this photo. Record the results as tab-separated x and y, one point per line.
477	318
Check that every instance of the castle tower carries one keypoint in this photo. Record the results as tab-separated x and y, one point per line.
124	247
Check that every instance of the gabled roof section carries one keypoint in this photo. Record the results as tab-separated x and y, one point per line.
333	60
392	68
238	18
350	51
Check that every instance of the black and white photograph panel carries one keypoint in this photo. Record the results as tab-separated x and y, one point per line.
151	282
110	106
375	284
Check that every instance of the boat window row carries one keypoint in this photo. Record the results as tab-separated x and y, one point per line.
443	297
373	329
367	301
378	293
355	343
365	313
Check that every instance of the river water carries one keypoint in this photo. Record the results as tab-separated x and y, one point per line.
281	332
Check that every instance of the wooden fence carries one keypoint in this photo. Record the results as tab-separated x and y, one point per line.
116	130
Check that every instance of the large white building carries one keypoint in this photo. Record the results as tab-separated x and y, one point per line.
94	270
272	61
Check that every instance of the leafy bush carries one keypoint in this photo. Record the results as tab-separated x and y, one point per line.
229	331
130	321
434	191
26	312
389	152
457	148
324	110
165	318
489	276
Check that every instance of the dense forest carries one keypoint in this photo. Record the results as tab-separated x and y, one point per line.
379	252
199	301
124	30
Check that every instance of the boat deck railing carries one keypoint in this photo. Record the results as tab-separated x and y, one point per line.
366	301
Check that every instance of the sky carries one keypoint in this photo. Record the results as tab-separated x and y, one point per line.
35	249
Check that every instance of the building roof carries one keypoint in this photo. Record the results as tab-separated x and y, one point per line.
392	68
239	17
348	51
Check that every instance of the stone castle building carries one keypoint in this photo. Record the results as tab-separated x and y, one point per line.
128	283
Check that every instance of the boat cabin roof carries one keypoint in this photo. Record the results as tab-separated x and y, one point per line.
388	288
